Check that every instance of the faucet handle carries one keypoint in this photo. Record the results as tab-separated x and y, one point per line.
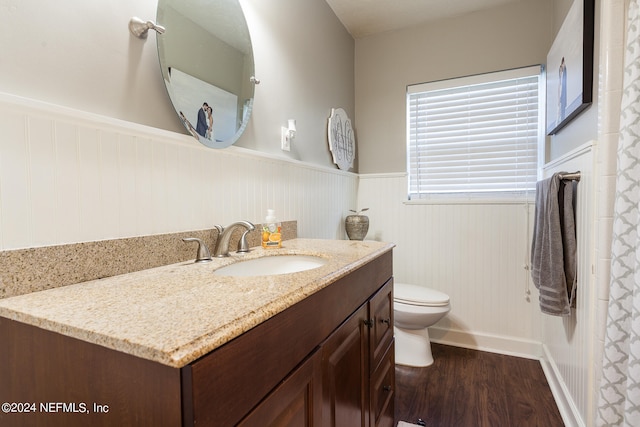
203	252
243	246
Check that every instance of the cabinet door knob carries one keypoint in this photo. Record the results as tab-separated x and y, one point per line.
369	322
387	321
386	388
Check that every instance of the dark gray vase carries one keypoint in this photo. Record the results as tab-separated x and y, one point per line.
356	226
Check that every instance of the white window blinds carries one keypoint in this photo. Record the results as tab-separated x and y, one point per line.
477	134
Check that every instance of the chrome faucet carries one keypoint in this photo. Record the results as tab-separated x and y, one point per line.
224	235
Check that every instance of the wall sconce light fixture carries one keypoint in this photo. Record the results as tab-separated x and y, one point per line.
287	135
139	28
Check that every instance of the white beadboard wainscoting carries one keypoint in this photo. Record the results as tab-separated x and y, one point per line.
68	176
569	342
477	253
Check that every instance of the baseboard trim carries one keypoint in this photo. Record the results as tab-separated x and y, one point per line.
568	410
486	342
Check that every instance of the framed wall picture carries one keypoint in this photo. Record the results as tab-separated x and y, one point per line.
570	67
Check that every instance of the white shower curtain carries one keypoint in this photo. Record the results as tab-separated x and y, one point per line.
619	399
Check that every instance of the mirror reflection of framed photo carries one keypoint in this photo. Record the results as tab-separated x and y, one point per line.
570	67
208	112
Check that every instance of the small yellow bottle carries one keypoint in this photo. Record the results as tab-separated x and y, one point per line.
271	231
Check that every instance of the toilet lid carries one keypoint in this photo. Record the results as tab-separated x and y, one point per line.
419	295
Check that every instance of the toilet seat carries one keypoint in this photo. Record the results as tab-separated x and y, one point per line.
419	295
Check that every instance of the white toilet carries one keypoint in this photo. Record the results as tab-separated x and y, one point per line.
415	308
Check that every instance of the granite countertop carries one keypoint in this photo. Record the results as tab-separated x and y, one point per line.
177	313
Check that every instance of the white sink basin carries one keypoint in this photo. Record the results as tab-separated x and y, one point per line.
272	265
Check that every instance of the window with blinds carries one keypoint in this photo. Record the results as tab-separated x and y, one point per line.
475	135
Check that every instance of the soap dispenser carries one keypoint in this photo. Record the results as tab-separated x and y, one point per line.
271	231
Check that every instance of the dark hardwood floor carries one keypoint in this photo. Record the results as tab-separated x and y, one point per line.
470	388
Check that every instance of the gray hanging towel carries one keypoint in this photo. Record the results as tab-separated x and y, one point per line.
553	249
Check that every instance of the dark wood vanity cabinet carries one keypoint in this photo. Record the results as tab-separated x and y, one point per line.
358	387
348	381
382	382
295	402
325	361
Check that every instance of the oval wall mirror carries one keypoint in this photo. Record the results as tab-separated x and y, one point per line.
207	65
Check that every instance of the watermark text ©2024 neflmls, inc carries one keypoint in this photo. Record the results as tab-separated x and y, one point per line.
54	407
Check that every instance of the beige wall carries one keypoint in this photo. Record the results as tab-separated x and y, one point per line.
505	37
80	55
584	127
304	59
96	151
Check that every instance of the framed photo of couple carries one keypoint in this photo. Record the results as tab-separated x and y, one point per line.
209	113
569	68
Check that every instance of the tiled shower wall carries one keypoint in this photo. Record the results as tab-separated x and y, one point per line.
612	46
67	177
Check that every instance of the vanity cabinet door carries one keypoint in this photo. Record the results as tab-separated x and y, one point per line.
345	373
296	402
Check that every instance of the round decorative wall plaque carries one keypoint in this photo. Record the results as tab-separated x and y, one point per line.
342	141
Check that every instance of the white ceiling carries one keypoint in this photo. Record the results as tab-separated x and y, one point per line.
366	17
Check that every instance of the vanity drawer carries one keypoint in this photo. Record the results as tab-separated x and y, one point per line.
383	391
381	321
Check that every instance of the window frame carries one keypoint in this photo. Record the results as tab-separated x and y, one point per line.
498	196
